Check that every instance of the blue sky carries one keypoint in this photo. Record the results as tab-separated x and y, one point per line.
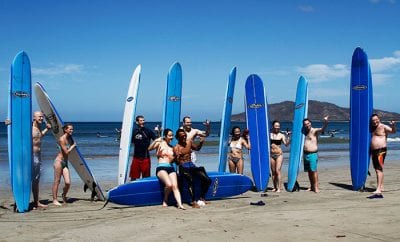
84	52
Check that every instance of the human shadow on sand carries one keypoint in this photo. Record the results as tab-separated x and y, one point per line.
350	187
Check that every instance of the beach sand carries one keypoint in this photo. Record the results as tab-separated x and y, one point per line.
335	214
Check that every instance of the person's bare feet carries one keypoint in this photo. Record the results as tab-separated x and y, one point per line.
181	207
64	198
377	191
195	205
164	204
56	203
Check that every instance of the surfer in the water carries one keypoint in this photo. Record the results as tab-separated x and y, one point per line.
378	147
165	171
310	150
236	143
276	139
65	144
188	170
192	133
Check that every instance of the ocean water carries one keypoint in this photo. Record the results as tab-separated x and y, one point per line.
99	145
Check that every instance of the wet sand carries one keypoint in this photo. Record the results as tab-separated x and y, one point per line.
337	213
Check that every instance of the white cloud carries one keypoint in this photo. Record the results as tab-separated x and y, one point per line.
322	72
322	93
57	70
306	8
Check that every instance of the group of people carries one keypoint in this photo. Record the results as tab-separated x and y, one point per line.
183	156
378	149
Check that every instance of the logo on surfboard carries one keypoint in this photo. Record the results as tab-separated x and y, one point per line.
21	94
230	99
174	98
215	187
360	88
256	105
299	105
129	99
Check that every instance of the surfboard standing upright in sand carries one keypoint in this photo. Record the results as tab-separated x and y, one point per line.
258	125
127	126
173	99
226	121
20	130
361	106
297	142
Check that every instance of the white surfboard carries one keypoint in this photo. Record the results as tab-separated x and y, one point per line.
127	126
74	157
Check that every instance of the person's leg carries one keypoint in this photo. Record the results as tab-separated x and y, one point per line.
135	169
205	181
57	177
278	177
232	166
240	166
146	167
186	174
67	183
315	182
273	173
163	176
174	180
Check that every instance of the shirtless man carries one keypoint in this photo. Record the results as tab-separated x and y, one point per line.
192	133
37	135
189	171
310	150
378	147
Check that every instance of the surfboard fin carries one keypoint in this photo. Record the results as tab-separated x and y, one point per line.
94	193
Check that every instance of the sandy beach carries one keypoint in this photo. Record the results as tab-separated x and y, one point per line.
337	213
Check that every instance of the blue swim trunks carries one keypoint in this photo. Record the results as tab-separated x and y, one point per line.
310	161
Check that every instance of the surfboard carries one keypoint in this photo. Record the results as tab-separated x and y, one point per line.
20	130
258	125
127	126
297	137
361	105
173	99
226	121
149	191
74	157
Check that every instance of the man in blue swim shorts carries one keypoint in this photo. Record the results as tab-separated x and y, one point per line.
310	150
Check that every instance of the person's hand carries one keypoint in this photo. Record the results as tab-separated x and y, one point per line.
326	118
48	126
392	122
207	122
202	138
7	121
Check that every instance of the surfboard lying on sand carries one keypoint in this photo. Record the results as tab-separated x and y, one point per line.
361	105
20	130
173	99
297	137
127	126
258	125
149	191
226	121
75	157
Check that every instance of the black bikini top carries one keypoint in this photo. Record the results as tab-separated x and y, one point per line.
276	141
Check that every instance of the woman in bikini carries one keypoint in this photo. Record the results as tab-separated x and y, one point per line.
276	139
165	171
236	153
65	145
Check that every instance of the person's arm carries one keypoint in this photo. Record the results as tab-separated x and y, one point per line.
392	128
246	142
207	124
63	146
198	146
155	144
322	129
286	139
7	121
44	131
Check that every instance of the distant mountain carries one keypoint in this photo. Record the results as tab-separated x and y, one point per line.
283	111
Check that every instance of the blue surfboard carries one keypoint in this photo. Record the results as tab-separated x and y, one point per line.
297	142
20	130
361	105
258	125
149	191
226	121
173	98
